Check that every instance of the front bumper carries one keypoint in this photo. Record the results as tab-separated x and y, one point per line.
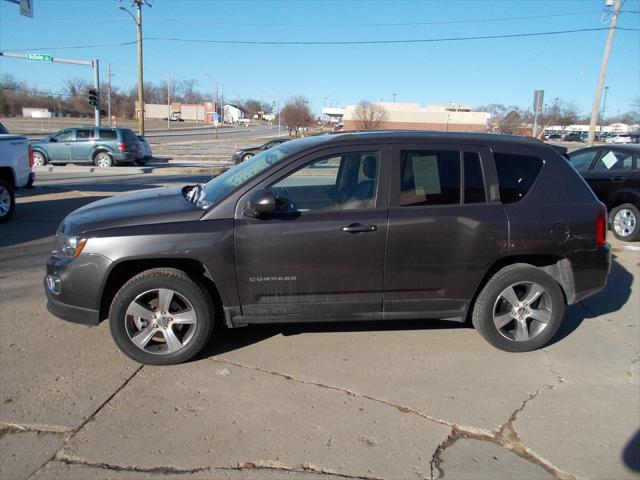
79	284
71	313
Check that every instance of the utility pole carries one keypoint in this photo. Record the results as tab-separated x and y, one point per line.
169	101
109	92
138	20
222	104
617	4
394	98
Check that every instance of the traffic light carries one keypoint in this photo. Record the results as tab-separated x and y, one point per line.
93	98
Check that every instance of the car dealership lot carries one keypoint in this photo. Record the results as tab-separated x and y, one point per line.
403	399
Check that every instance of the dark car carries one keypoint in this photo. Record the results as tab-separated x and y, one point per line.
613	173
376	226
101	146
246	153
573	137
554	137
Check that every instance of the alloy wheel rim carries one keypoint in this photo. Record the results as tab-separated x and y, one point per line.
38	160
103	160
624	222
5	201
522	311
160	321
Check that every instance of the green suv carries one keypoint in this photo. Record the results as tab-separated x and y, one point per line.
101	146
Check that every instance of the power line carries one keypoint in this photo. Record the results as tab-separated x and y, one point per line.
40	92
339	42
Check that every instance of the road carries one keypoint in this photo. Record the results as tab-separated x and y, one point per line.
370	400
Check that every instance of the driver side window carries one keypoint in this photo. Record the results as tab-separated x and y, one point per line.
346	181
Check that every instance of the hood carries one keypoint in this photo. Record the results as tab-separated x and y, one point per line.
160	205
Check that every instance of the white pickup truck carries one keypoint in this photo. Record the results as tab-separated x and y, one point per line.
16	160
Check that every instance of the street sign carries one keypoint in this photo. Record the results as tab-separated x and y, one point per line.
40	57
538	98
26	8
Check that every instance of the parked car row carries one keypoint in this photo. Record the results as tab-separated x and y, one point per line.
600	137
100	146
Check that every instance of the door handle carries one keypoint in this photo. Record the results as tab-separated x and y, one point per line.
359	228
618	179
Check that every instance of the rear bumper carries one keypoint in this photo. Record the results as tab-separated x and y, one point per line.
590	272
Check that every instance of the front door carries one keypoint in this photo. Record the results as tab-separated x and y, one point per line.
446	227
321	257
59	146
612	172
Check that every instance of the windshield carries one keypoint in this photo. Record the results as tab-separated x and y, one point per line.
221	186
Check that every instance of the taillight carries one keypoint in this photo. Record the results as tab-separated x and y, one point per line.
601	225
123	147
30	156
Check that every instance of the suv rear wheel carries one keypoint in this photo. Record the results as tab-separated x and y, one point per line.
161	317
624	222
519	309
103	160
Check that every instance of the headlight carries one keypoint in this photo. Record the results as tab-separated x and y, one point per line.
69	247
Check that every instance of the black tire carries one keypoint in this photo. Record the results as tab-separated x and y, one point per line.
184	286
490	299
627	226
103	160
141	162
247	156
8	201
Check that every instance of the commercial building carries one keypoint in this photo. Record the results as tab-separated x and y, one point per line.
202	112
411	116
36	113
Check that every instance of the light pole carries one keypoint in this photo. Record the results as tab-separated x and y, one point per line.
137	4
394	98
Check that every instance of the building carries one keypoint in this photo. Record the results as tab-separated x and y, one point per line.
411	116
233	113
333	115
202	112
36	113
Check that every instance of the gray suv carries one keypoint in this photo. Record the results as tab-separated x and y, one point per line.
101	146
498	230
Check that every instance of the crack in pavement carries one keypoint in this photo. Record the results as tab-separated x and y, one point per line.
260	465
90	418
10	428
505	436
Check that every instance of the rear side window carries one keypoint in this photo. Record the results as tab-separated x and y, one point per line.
581	161
611	160
516	174
84	134
108	134
429	177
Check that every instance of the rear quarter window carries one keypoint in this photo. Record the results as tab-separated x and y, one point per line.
516	174
129	136
108	134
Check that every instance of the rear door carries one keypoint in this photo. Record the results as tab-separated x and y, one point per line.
611	172
446	227
322	256
82	145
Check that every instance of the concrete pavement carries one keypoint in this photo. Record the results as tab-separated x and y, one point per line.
372	400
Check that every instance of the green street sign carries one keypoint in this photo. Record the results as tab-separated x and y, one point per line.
40	57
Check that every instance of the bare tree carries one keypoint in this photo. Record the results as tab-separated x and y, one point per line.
369	116
296	114
567	114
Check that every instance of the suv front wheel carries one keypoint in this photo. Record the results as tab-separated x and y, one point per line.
624	222
161	317
520	309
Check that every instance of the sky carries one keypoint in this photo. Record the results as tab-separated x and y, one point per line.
477	72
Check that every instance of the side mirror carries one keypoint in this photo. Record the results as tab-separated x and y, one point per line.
53	139
262	202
